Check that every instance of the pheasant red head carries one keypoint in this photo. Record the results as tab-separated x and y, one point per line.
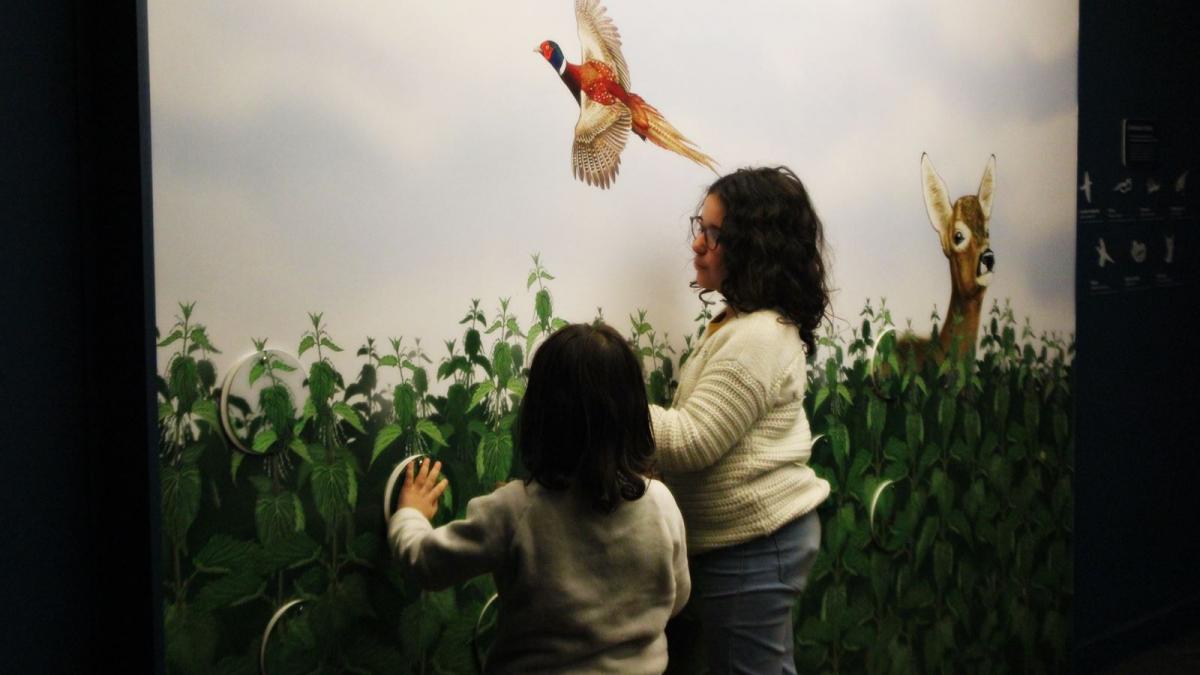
551	52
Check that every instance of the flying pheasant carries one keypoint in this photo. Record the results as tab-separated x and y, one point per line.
607	109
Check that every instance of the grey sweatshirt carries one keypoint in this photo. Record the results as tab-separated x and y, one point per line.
580	591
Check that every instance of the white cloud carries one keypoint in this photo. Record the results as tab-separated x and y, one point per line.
386	162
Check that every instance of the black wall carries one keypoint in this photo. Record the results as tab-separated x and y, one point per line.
78	489
1137	487
78	495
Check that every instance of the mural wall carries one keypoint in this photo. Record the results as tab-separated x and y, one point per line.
333	183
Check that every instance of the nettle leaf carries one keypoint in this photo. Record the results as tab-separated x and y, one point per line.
206	410
181	499
301	449
543	306
207	372
972	425
200	337
943	563
290	551
235	463
331	488
534	331
344	411
275	516
257	370
876	416
276	404
517	387
264	439
430	431
472	342
880	576
191	639
404	402
943	491
310	411
170	339
223	553
326	342
822	394
839	440
184	381
481	392
386	436
321	381
298	509
229	590
350	466
929	531
1000	401
420	380
306	344
945	414
502	362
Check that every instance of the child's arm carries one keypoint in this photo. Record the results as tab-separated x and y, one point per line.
456	551
683	577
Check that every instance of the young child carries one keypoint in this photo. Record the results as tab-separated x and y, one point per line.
589	556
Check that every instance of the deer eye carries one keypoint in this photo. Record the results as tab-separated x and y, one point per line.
961	237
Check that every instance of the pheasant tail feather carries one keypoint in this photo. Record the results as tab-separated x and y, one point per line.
663	134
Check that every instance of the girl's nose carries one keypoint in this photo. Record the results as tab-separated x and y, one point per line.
699	246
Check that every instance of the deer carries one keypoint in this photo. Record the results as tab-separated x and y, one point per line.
962	229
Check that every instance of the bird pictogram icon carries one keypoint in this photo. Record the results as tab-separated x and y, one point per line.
608	110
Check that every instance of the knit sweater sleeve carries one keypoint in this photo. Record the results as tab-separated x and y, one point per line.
457	551
725	403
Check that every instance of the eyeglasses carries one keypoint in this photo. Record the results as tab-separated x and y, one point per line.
712	233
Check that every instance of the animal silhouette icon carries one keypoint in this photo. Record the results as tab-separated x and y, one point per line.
608	110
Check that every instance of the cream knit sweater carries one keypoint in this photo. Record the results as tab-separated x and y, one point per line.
734	446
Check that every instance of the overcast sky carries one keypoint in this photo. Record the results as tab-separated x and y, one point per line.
385	162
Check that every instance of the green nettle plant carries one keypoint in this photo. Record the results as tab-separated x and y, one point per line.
946	537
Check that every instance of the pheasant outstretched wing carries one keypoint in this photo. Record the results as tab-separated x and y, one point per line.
600	135
599	39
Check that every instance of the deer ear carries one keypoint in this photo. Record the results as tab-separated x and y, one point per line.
937	200
986	186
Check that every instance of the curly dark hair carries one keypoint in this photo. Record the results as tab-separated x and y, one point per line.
584	419
772	248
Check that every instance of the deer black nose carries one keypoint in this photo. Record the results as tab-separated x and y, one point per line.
987	261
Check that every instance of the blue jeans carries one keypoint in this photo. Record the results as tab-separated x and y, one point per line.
743	596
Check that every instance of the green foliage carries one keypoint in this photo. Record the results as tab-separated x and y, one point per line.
964	566
947	536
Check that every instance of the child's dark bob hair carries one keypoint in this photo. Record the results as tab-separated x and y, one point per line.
773	248
584	420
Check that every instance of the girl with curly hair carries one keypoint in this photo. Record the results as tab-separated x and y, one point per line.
734	447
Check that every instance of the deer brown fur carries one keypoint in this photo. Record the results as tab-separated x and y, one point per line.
962	228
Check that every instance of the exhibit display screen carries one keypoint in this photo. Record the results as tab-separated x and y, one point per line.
368	215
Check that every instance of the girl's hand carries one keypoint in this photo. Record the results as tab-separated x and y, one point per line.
422	491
